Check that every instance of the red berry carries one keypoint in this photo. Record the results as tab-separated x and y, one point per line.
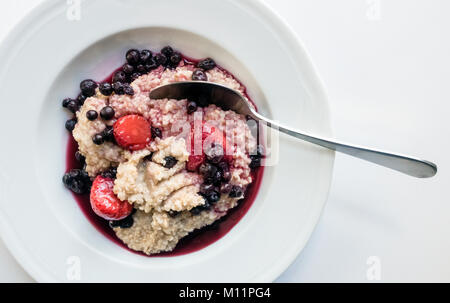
194	162
105	203
132	132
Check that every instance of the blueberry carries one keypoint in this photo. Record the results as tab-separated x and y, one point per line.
124	223
206	64
149	157
167	51
134	76
65	102
91	115
226	188
119	76
199	75
206	188
141	69
145	56
256	162
133	56
175	59
111	173
160	59
215	153
208	180
106	89
226	176
77	181
213	197
170	162
108	134
81	98
173	213
98	139
223	166
88	87
197	210
73	106
128	90
107	113
236	192
156	133
260	150
119	88
207	170
217	178
80	158
151	65
70	124
191	107
128	69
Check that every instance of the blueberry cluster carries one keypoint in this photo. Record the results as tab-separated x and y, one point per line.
78	181
199	73
139	63
88	88
216	177
107	135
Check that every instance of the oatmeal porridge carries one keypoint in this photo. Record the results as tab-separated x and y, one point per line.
159	170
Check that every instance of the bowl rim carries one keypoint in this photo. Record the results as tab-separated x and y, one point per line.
8	234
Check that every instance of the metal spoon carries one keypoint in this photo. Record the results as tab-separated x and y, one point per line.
229	99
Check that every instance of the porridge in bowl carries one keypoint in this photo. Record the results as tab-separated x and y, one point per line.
160	171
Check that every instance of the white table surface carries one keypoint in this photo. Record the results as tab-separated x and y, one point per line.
386	65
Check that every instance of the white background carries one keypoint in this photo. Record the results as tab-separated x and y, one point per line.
386	65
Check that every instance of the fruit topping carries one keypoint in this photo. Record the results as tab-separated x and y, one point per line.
170	162
107	113
70	124
106	89
77	180
206	64
88	87
132	132
133	56
105	203
91	115
199	75
98	139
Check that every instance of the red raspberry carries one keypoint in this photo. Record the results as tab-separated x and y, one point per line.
194	162
132	132
105	203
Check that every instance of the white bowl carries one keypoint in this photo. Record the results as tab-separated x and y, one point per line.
47	55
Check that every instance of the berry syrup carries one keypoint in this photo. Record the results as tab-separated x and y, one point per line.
198	239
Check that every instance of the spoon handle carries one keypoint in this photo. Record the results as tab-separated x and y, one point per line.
404	164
